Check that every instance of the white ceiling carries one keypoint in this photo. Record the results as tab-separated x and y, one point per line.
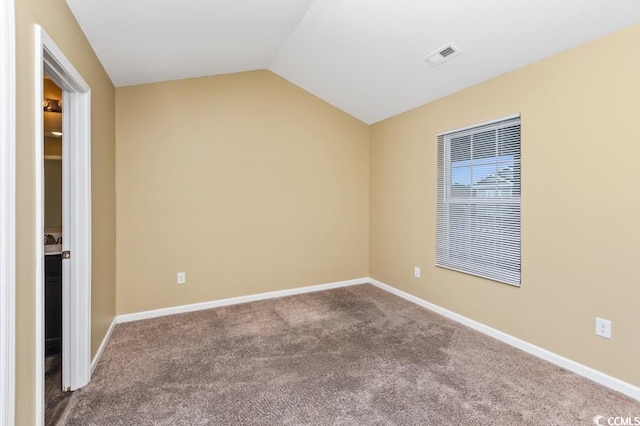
363	56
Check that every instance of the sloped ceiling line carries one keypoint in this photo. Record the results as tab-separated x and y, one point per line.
363	56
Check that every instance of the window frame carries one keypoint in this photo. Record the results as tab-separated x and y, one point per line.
488	269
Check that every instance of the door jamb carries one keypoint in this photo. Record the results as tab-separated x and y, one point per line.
76	328
7	213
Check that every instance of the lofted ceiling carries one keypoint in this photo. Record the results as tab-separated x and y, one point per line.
362	56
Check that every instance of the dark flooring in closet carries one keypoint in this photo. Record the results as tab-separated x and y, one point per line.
55	401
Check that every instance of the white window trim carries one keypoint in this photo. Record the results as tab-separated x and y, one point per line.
7	213
482	124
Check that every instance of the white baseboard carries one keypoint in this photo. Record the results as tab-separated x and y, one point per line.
575	367
235	300
103	345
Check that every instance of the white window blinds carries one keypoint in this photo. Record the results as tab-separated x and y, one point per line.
478	228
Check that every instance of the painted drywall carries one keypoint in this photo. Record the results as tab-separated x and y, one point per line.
50	90
243	181
52	193
52	182
53	146
55	17
580	233
52	120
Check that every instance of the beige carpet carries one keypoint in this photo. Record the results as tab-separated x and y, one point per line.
352	356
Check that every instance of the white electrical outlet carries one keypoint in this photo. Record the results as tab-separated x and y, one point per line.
603	327
416	271
182	277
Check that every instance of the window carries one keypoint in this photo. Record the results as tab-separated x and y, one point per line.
478	229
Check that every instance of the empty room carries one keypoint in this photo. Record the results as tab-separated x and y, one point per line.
321	212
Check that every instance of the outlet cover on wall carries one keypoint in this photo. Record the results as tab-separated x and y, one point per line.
182	277
416	271
603	327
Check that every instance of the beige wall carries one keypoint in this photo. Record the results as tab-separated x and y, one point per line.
57	20
250	184
580	209
50	90
52	182
52	193
52	120
53	146
244	181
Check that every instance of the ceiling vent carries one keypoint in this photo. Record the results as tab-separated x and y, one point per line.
443	54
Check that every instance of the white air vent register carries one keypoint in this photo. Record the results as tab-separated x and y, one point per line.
443	54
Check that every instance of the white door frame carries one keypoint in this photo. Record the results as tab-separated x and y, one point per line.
76	286
7	213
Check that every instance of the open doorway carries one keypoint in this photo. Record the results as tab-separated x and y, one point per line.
73	220
56	399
